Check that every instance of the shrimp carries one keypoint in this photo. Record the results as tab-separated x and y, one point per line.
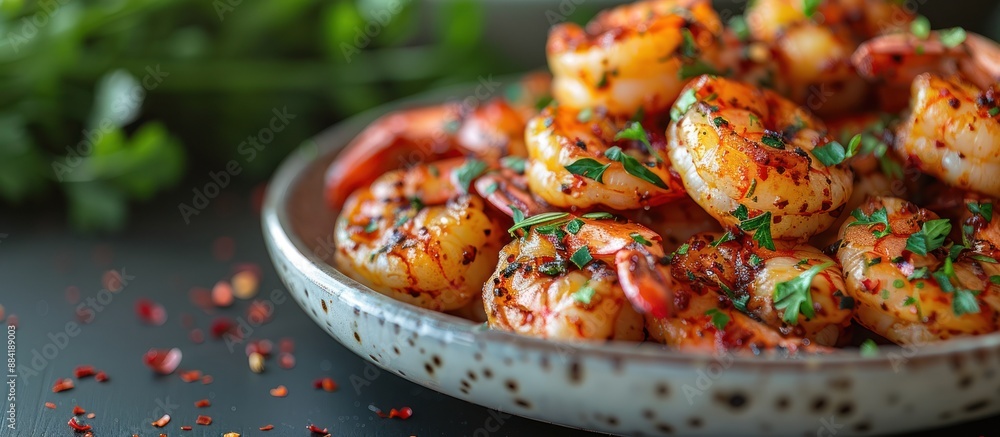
746	156
416	236
632	56
545	287
577	163
812	49
952	133
488	131
675	222
906	286
795	289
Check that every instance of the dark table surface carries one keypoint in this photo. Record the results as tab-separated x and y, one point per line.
162	258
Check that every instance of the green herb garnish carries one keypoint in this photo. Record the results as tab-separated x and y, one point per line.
794	297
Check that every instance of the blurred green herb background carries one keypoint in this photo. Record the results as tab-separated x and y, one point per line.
107	103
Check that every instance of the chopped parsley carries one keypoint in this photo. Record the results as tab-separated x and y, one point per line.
984	210
695	69
910	300
834	153
589	168
875	261
953	37
634	131
760	225
725	238
794	297
965	302
585	115
553	268
574	226
720	121
491	188
755	260
877	217
898	283
719	318
931	236
638	238
684	103
468	172
995	279
868	348
584	294
634	167
919	273
372	226
809	7
920	27
581	257
773	141
683	250
738	25
514	163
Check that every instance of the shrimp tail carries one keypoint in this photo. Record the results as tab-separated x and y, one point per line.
645	286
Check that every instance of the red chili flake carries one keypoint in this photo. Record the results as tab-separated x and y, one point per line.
72	295
223	248
78	410
163	361
77	426
286	345
286	361
203	403
112	280
263	347
316	429
190	375
207	379
402	413
266	427
50	405
222	294
327	384
222	326
279	391
201	298
91	415
259	312
203	420
101	376
83	371
161	422
62	385
197	336
186	428
871	285
150	312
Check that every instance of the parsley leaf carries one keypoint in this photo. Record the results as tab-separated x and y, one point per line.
695	69
684	103
965	302
469	171
719	318
514	163
584	294
585	115
553	268
371	227
634	131
809	7
518	214
725	238
755	260
995	279
634	167
574	226
910	300
794	297
869	348
953	37
834	153
984	210
919	273
931	236
738	25
683	250
581	257
877	217
761	227
920	27
773	141
589	168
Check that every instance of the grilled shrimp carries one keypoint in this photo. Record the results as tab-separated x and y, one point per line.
953	134
904	281
747	155
812	49
545	286
631	57
488	131
416	236
795	289
675	222
577	163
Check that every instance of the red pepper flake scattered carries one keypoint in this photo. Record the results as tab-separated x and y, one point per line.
161	422
259	312
206	380
402	413
203	403
197	336
266	427
223	248
101	376
286	361
315	429
78	410
203	420
163	361
327	384
50	405
286	345
222	294
83	371
112	281
263	347
77	426
279	391
62	385
186	428
150	312
91	415
190	375
222	326
72	295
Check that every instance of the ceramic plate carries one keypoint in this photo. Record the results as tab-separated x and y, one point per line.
622	388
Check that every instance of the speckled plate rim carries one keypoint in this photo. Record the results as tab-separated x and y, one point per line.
445	327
